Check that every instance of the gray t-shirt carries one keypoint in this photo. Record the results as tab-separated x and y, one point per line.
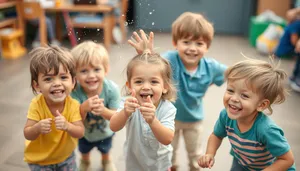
142	150
96	127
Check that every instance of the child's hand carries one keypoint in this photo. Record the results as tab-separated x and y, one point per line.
141	43
131	103
206	161
60	122
92	103
148	111
44	126
98	107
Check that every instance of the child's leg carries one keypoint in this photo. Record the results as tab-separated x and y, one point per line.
104	147
236	166
85	147
175	145
69	164
192	134
50	28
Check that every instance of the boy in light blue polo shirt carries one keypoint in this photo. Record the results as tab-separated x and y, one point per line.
193	73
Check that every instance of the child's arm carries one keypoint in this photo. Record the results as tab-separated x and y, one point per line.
141	43
283	162
33	128
75	129
89	105
207	160
294	39
163	134
118	120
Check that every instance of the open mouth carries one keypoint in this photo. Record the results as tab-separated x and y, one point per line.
234	108
144	96
57	92
91	82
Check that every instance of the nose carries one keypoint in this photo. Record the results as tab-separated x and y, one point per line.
91	74
146	86
57	82
234	98
192	47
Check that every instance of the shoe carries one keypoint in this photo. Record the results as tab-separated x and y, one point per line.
292	79
117	34
36	44
84	165
55	42
108	165
295	86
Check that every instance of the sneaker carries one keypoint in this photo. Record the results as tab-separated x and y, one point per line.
84	165
108	165
55	42
295	86
117	35
36	44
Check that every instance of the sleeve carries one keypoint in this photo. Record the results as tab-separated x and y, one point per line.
275	141
75	108
168	118
219	128
75	96
114	100
219	70
33	111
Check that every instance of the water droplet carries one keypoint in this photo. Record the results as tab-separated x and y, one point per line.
123	15
150	13
153	10
148	4
153	23
126	23
98	29
79	38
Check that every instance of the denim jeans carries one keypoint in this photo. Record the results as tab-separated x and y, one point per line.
50	28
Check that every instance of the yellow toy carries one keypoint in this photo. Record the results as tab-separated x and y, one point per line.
10	44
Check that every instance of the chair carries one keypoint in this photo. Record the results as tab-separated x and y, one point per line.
122	19
30	11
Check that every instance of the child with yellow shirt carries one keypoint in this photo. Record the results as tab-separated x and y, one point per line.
53	121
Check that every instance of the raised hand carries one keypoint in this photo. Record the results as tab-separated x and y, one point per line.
44	126
131	103
141	43
148	110
206	161
60	122
98	107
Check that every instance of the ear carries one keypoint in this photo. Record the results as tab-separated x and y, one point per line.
165	90
174	44
74	82
128	85
36	86
263	105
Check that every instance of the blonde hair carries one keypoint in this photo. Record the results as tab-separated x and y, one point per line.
264	78
90	53
164	66
192	25
44	59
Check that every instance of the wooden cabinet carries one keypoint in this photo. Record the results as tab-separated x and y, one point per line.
279	7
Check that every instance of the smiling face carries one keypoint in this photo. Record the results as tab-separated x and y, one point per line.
147	80
90	77
55	88
191	51
241	103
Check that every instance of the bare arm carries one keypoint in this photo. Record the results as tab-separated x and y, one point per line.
282	163
294	39
163	134
213	144
31	130
108	113
76	129
83	110
292	14
118	120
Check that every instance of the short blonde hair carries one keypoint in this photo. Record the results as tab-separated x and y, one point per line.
90	53
192	25
264	78
163	65
44	59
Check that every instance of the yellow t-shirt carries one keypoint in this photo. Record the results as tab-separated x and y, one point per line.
56	146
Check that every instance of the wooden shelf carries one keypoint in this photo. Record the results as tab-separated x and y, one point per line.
7	22
7	4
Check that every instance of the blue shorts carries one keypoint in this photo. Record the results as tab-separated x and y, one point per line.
69	164
103	145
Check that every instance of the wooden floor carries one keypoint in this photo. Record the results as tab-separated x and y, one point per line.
15	96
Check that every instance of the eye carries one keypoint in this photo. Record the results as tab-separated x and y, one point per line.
47	79
138	82
97	69
229	90
199	43
83	71
154	82
245	96
186	42
64	77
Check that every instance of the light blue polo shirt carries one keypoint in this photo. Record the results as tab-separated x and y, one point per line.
192	87
96	127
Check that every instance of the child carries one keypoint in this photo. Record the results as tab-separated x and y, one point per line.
192	35
257	142
148	114
54	123
99	98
